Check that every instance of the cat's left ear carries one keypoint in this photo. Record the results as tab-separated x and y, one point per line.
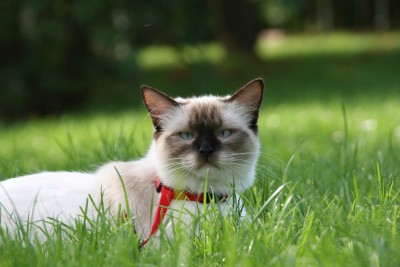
157	103
250	96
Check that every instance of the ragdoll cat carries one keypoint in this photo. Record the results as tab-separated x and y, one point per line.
197	140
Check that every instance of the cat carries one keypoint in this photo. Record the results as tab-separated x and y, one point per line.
198	141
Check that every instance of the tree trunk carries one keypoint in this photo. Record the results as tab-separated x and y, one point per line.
382	20
236	24
325	15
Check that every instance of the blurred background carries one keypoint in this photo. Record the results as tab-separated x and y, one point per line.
67	56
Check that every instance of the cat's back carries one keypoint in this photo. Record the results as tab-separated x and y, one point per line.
46	194
25	185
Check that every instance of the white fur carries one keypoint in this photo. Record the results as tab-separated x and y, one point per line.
234	116
41	196
61	195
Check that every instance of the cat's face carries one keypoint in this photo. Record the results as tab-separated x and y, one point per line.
209	137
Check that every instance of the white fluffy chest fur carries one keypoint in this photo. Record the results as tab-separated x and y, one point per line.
139	178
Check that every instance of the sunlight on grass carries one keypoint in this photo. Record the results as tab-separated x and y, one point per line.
272	46
321	123
73	143
338	202
282	46
167	56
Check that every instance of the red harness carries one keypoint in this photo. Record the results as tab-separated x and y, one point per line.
167	195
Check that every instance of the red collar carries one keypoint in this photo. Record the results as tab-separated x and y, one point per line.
167	195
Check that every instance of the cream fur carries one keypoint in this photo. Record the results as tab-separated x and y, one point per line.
61	195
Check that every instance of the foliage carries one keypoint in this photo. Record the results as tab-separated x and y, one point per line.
326	194
56	55
68	55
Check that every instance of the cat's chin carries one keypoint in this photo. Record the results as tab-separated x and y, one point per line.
207	171
207	166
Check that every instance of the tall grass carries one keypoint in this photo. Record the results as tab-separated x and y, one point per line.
326	192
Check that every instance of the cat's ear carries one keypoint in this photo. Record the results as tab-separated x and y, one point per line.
250	96
157	103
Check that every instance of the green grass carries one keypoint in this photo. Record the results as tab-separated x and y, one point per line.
328	179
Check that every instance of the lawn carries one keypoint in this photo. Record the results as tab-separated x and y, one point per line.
327	183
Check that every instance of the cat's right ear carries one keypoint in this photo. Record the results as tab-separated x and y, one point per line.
157	103
250	96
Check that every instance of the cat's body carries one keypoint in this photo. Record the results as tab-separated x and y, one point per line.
199	140
48	194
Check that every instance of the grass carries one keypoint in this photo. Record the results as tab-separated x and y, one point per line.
327	184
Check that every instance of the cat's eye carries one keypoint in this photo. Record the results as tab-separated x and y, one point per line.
186	135
224	133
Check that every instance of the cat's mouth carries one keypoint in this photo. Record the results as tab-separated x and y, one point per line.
207	163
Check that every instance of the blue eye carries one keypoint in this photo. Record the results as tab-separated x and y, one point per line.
225	133
186	135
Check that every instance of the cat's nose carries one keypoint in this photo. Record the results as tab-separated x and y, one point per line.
206	147
206	150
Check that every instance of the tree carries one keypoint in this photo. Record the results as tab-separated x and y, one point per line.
236	23
382	20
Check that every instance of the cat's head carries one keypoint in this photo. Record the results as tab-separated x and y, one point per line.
207	137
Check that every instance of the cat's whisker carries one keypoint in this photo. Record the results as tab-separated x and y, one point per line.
173	171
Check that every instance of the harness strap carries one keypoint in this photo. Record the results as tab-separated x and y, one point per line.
167	194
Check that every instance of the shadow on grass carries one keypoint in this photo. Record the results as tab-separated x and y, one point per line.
369	75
